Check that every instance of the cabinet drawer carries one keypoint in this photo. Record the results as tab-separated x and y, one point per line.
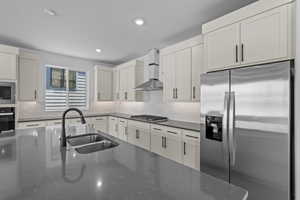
173	132
157	128
54	123
141	125
36	124
191	136
123	121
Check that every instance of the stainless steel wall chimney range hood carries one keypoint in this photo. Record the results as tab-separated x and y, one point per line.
153	66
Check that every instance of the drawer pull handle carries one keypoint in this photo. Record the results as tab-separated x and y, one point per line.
172	132
184	148
31	125
137	134
157	129
190	136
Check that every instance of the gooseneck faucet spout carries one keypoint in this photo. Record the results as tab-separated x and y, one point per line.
63	141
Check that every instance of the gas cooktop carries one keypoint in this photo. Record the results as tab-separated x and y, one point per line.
149	118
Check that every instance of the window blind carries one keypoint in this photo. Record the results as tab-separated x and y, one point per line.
72	94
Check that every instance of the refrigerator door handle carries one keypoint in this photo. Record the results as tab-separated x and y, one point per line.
232	139
225	127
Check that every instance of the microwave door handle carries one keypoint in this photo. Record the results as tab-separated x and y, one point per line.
225	127
232	138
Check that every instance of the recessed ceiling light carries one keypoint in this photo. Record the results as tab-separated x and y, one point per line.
49	12
139	21
98	50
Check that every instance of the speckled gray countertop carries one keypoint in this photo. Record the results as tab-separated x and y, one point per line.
171	123
33	166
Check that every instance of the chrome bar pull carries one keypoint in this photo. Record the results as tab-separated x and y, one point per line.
194	92
242	53
225	127
231	134
236	53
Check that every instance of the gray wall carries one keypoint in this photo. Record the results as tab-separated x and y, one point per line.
29	109
297	103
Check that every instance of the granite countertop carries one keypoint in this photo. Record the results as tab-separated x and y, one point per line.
171	123
33	166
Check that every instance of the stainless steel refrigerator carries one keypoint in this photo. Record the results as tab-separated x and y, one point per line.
247	128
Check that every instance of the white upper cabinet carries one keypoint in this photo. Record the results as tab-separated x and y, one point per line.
131	74
182	65
104	84
265	37
183	72
116	84
28	78
197	68
221	48
259	33
8	62
168	63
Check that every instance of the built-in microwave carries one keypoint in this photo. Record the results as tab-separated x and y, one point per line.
7	92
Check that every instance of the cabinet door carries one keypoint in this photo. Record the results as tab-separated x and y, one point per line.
173	145
183	75
28	79
8	66
104	86
131	136
123	84
130	83
221	48
168	62
191	149
142	137
157	141
122	134
197	67
116	84
113	126
100	124
265	36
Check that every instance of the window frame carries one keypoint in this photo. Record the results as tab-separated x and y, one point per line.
66	89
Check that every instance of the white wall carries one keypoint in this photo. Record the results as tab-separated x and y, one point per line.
33	109
297	102
155	106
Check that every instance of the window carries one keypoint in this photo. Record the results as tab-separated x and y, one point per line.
65	88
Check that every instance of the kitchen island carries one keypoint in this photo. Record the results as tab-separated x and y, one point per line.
33	166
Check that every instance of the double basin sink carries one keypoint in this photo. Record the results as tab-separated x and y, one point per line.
90	143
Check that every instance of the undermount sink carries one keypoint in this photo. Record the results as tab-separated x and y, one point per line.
91	148
84	139
89	143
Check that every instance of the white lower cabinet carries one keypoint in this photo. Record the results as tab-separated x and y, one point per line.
166	142
173	144
100	124
113	126
122	130
157	140
139	134
191	149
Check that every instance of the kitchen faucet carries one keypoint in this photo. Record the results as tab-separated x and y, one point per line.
63	131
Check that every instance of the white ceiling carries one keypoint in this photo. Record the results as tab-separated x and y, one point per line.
81	26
